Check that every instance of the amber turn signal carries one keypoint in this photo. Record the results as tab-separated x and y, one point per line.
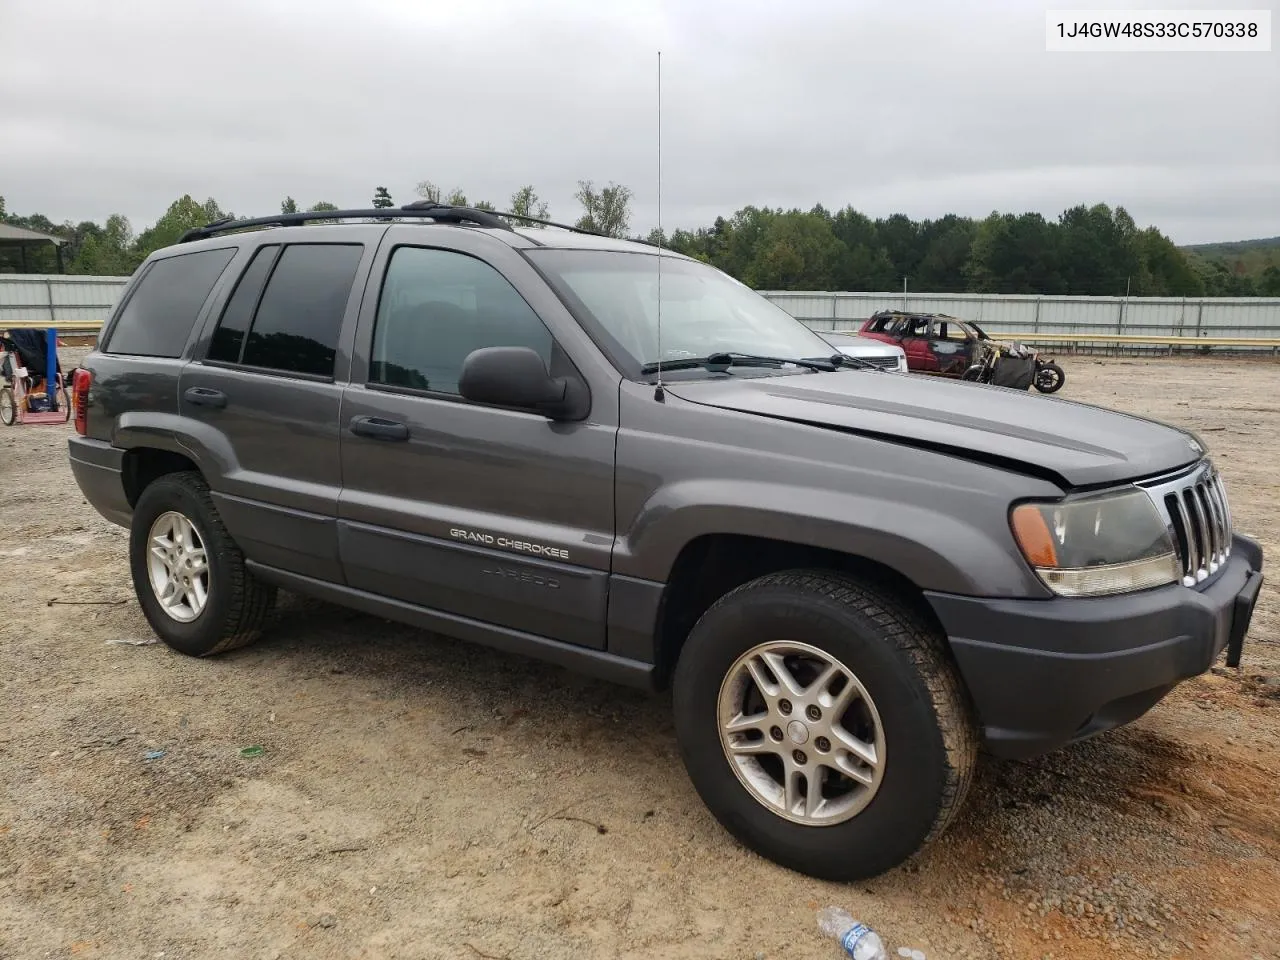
1033	536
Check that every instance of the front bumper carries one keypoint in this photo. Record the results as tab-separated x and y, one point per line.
1045	673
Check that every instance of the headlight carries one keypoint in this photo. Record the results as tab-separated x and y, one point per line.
1093	546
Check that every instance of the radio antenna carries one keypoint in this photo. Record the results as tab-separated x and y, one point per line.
658	393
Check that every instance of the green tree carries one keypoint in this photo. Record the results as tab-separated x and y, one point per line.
947	244
322	207
1099	250
606	211
796	251
288	205
1014	254
901	238
108	251
428	191
1269	286
526	203
484	205
456	198
382	199
183	214
1165	270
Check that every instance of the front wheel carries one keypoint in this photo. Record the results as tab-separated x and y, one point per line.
823	724
8	407
1049	378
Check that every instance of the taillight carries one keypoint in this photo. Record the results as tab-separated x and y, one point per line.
80	399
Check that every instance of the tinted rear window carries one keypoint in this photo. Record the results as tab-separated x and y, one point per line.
229	337
296	327
158	317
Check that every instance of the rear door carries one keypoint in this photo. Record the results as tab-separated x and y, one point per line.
495	516
950	345
264	389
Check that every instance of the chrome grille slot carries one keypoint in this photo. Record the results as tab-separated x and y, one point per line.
884	363
1195	508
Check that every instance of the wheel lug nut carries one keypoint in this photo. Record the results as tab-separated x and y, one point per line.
813	713
776	734
823	744
785	707
799	757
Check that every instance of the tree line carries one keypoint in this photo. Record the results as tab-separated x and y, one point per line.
1087	251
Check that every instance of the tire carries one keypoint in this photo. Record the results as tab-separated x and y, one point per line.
236	605
928	749
1050	378
8	407
64	404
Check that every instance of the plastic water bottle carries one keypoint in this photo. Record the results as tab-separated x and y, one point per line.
858	941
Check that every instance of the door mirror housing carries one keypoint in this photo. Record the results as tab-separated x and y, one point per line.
516	377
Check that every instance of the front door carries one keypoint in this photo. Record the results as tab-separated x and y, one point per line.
489	515
913	333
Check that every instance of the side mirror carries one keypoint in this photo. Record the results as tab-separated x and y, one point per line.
517	377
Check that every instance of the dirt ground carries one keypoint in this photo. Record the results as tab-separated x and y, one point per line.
417	797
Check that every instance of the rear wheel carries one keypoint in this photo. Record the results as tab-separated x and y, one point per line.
1050	378
188	574
8	407
64	403
823	724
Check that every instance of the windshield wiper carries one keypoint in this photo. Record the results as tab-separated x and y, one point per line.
844	360
722	361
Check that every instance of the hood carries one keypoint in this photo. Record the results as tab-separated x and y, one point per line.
861	346
1073	444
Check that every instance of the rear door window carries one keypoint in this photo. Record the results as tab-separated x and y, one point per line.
228	338
295	326
158	316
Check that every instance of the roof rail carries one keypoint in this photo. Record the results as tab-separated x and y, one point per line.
549	223
426	209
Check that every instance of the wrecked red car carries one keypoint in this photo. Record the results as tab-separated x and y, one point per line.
947	346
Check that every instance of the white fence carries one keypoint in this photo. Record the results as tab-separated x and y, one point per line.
34	300
1252	317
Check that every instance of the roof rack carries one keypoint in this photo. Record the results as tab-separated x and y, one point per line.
549	223
426	209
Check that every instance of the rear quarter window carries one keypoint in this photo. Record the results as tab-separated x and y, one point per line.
158	316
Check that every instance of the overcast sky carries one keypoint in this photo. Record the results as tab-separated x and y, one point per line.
909	106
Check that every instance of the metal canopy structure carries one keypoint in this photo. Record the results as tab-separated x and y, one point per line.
21	238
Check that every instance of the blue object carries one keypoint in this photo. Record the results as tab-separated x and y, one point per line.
51	364
154	755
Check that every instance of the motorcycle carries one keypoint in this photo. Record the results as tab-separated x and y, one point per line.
1045	375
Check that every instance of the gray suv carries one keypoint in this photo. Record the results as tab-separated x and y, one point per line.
625	462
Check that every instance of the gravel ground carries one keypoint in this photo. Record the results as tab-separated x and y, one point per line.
417	797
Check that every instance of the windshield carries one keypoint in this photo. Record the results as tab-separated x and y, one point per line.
704	311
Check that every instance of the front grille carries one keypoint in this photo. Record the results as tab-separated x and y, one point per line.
884	363
1195	507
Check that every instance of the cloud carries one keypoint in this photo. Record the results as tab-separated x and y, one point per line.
927	108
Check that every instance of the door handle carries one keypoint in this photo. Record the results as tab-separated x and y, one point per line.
376	428
204	397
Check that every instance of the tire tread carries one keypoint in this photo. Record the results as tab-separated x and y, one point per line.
910	633
251	601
